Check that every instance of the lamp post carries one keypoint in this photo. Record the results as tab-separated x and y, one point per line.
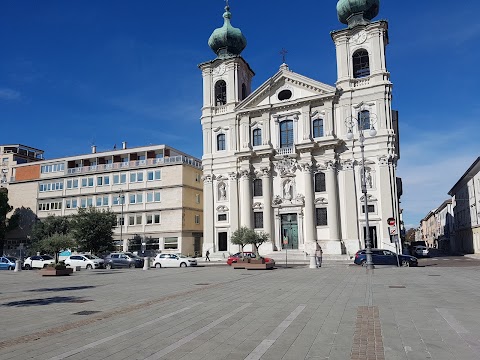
121	198
365	120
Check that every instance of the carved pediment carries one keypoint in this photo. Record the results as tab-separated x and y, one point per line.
321	201
257	206
370	198
222	208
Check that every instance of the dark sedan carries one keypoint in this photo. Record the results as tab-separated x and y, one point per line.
384	257
117	260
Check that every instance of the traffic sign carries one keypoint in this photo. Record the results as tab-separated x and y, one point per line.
392	230
391	221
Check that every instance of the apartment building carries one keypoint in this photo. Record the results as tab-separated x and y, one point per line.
156	192
14	154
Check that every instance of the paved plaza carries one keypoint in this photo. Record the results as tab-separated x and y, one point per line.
216	312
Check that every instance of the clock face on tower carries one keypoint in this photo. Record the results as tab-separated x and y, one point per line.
219	70
358	38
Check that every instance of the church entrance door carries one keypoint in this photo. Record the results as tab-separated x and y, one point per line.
289	231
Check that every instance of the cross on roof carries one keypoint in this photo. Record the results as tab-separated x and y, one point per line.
283	53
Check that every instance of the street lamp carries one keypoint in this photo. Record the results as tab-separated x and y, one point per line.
365	120
121	198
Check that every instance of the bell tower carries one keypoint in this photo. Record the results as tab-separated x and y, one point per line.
361	46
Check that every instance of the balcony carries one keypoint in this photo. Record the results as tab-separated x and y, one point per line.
135	164
286	151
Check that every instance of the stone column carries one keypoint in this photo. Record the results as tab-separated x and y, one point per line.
246	203
267	202
209	215
233	201
333	209
310	223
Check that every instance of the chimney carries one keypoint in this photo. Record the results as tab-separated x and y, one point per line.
94	149
124	145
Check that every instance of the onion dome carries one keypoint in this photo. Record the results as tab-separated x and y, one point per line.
354	12
227	41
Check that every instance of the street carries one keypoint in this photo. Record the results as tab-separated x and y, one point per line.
216	312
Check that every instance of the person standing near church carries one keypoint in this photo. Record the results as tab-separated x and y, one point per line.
207	258
318	255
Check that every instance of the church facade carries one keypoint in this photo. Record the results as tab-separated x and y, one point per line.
286	158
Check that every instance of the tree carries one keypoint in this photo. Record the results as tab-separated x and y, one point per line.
410	235
93	229
258	239
50	225
242	236
5	224
55	243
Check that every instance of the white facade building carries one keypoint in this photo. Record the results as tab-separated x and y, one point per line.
277	158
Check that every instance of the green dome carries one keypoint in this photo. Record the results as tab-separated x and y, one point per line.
367	8
227	40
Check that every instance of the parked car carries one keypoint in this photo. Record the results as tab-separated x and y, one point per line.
173	260
384	257
85	261
420	251
7	263
123	259
38	262
248	254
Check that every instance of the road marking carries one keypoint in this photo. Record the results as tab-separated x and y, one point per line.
96	343
195	334
452	321
262	348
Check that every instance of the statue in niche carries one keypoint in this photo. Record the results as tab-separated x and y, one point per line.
368	178
287	190
222	191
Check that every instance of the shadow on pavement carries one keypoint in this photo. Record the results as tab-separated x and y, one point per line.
69	288
45	301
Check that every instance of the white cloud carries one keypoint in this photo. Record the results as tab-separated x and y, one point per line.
9	94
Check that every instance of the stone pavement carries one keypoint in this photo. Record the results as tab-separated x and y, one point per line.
215	312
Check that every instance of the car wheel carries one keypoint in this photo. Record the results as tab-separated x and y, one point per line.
183	264
131	265
158	265
364	263
89	267
10	268
405	263
27	267
108	266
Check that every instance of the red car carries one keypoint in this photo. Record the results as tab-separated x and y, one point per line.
248	254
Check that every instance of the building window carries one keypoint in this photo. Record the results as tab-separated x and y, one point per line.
197	198
136	177
139	219
244	91
131	220
222	217
170	243
153	219
120	178
257	137
221	142
153	196
154	175
220	93
51	168
197	177
364	120
136	198
321	215
361	64
197	219
258	220
317	128
72	184
286	133
320	185
120	221
371	208
257	187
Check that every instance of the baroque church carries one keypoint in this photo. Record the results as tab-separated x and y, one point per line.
296	158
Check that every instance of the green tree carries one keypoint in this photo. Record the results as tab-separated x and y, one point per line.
242	236
5	224
50	225
257	239
410	235
93	229
55	243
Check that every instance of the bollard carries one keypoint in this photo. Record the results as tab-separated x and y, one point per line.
313	262
146	263
18	265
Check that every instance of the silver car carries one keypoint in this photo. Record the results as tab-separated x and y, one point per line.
85	261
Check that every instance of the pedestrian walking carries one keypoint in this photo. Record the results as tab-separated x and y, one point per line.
318	255
207	256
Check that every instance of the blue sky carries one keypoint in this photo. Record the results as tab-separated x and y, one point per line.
77	73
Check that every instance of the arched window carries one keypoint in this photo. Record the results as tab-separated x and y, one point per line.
244	91
220	93
361	64
257	187
221	142
364	119
257	137
320	185
317	128
286	133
